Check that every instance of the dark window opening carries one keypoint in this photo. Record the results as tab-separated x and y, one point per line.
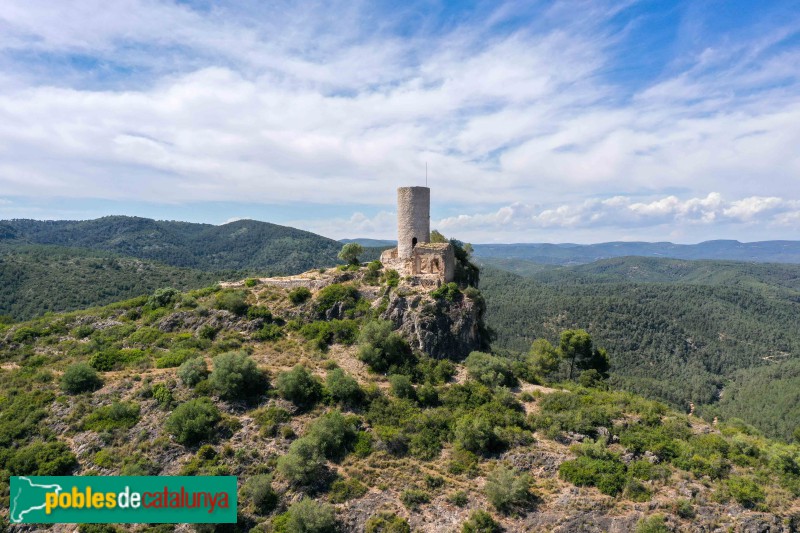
413	242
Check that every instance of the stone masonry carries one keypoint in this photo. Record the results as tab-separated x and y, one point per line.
415	256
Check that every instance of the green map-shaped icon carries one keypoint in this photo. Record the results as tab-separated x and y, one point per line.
28	497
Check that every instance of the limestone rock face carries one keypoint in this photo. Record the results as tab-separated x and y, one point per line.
440	328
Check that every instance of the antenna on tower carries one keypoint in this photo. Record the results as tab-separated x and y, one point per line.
426	173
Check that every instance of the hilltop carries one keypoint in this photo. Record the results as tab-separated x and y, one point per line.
239	245
66	265
577	254
681	331
322	386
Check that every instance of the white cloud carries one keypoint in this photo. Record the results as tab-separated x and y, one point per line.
621	212
279	103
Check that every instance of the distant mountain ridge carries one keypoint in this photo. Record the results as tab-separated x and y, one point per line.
371	243
574	254
243	244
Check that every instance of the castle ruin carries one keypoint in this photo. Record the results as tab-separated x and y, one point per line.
415	256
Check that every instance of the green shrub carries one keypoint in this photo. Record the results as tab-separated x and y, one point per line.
401	387
392	278
652	524
299	386
386	523
299	295
303	465
175	358
508	490
346	296
162	298
745	491
327	332
576	412
343	388
80	377
343	490
436	372
362	446
309	516
207	332
251	282
193	371
480	522
259	492
25	334
97	528
458	498
118	415
413	498
42	459
236	377
476	433
82	331
427	395
606	474
636	491
259	312
463	462
270	418
233	301
194	421
490	370
162	394
333	434
381	348
268	332
684	509
448	291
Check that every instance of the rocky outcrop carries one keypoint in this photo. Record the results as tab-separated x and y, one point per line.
439	327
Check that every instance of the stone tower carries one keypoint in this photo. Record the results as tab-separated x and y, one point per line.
416	258
413	219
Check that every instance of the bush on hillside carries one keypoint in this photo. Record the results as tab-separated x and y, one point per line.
383	349
490	370
236	377
343	388
299	295
194	421
299	386
508	490
310	516
233	301
481	522
80	377
118	415
401	387
42	459
162	298
259	492
303	465
193	371
386	523
346	296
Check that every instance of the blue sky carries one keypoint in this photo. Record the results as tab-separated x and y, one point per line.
579	121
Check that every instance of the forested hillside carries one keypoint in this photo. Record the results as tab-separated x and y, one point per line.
244	244
575	254
677	331
321	401
39	279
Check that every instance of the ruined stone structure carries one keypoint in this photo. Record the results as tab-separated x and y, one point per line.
415	256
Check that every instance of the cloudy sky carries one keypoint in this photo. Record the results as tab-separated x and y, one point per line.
574	121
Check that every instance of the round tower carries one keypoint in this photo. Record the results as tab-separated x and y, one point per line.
413	219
